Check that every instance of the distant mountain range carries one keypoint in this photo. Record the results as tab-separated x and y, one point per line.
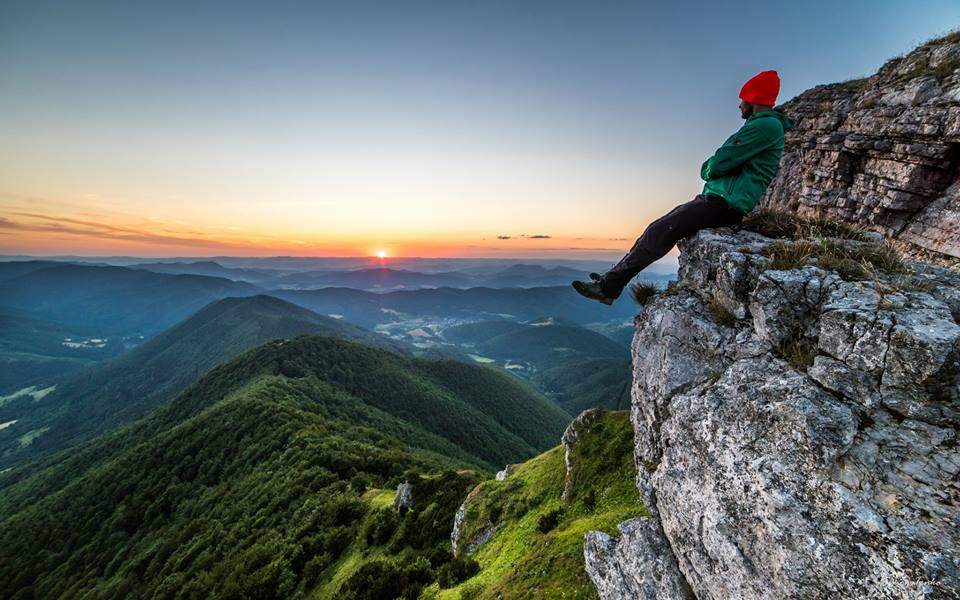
364	273
370	309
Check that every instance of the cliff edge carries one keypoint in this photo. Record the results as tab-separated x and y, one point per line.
883	151
795	407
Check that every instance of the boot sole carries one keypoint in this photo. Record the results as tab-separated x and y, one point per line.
602	300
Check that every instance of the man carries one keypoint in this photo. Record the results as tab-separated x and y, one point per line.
736	177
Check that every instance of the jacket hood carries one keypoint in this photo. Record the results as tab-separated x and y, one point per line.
775	113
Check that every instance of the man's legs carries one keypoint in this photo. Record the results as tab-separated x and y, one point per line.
661	235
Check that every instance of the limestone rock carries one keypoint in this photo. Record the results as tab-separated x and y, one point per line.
769	478
883	151
404	498
637	564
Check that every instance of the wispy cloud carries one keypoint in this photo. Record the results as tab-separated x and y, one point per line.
79	227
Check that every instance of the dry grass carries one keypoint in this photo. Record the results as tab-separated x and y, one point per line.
786	255
783	224
799	351
643	292
720	313
852	261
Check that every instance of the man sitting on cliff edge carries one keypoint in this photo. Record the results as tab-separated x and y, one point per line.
736	176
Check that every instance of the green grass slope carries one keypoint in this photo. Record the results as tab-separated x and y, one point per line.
263	477
537	548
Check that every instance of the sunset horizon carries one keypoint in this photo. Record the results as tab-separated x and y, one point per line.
341	131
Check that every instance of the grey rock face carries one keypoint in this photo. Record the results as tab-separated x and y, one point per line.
459	543
637	564
570	436
883	151
404	498
840	479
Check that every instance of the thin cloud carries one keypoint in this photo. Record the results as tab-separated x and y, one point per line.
503	237
91	229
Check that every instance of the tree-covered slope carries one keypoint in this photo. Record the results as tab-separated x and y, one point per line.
574	366
577	385
133	384
251	483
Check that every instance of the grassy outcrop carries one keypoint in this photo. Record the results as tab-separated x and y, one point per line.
536	546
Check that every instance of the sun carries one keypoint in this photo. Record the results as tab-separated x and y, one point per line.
381	254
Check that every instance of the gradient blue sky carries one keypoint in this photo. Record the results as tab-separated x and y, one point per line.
416	128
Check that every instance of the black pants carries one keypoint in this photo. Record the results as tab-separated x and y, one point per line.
660	236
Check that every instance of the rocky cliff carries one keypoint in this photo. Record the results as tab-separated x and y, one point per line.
883	150
796	401
795	423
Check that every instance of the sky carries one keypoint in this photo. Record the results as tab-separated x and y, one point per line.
435	129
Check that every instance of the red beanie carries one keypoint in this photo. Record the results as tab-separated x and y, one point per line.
762	88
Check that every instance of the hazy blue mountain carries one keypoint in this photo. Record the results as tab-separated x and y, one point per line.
371	279
521	275
211	269
131	385
542	341
115	300
34	351
16	268
574	366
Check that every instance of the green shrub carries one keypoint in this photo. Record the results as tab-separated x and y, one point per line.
457	570
549	520
380	526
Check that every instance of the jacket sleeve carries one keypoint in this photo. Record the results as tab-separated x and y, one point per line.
748	143
705	169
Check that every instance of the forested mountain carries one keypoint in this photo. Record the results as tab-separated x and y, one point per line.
131	385
574	366
252	481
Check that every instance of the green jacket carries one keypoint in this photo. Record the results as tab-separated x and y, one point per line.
742	168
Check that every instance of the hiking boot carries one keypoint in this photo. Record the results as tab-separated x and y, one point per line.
595	276
592	290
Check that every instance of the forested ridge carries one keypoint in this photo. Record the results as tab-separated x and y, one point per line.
255	480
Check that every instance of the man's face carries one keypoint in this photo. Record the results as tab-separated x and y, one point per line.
746	109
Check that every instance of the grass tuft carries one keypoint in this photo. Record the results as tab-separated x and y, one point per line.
852	261
643	292
720	313
785	256
799	351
